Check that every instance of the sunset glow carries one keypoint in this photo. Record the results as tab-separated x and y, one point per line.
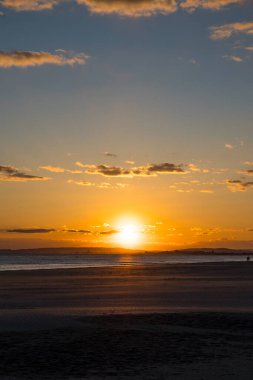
129	235
149	115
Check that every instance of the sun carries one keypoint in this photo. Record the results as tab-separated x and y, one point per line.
129	235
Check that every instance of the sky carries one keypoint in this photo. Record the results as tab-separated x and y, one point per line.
126	123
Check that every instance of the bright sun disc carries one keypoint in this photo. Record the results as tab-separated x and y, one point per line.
129	235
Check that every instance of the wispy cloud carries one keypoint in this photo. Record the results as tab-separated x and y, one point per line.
126	8
29	5
101	185
248	48
234	58
144	171
53	169
74	231
82	182
248	172
192	5
59	169
225	31
31	230
206	191
238	185
109	232
23	59
230	146
12	174
130	8
108	154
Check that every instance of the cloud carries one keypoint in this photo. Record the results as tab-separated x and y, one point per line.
31	230
206	191
12	174
58	169
126	8
108	154
147	170
238	185
109	171
229	146
234	58
247	172
29	5
53	169
192	5
225	31
86	232
23	59
102	185
249	48
82	183
164	168
129	162
110	232
130	8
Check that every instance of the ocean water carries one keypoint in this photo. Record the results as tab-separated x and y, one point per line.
34	261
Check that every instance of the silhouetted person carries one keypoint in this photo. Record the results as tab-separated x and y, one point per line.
248	258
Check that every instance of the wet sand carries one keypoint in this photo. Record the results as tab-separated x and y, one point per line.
191	321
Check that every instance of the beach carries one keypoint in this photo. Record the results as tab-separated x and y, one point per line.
191	321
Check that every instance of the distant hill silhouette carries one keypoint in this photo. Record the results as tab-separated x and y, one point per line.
106	250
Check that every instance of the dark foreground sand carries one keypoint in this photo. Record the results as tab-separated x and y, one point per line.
190	321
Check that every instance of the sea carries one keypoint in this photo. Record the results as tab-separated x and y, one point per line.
12	261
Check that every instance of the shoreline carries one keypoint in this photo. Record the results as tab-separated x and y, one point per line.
131	266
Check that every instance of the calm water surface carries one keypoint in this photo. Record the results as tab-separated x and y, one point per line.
28	261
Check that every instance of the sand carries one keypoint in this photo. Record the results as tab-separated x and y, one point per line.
191	321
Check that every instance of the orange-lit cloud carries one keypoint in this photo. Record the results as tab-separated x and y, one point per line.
144	171
53	169
234	58
247	172
192	5
59	169
82	183
102	185
126	8
130	8
206	191
225	31
229	146
29	5
238	185
25	59
12	174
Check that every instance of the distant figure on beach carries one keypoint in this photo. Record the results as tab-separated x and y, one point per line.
248	258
